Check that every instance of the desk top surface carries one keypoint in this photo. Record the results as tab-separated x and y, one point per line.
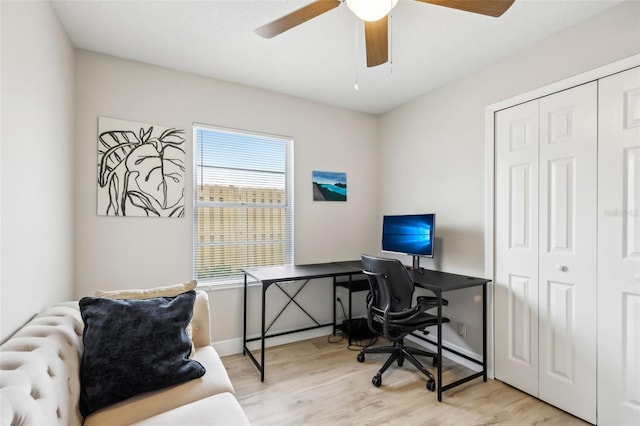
269	274
444	281
425	278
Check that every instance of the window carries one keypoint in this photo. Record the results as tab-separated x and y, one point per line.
243	202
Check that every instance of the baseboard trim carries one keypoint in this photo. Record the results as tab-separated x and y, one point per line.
234	346
446	354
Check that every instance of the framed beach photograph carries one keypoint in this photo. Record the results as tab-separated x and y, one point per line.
329	186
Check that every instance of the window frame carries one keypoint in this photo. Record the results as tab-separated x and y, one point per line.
238	280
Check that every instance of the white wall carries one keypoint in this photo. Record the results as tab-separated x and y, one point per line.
37	163
117	252
433	148
430	157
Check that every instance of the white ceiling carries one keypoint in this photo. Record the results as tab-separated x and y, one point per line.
318	60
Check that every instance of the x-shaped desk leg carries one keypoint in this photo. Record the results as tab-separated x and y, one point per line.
291	300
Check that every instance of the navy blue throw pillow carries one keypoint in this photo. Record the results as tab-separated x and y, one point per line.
133	346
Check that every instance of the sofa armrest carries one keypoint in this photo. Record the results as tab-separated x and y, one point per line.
39	383
201	320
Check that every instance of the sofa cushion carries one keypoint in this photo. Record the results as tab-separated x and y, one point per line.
149	404
222	409
148	293
138	293
133	346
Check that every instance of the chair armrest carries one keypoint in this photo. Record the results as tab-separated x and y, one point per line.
431	300
407	315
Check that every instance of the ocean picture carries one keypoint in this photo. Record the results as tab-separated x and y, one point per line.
329	186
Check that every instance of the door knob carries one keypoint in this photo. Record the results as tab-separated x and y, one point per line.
561	268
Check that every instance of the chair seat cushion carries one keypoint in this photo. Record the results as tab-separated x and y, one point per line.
401	327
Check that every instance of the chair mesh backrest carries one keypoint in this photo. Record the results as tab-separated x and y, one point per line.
395	276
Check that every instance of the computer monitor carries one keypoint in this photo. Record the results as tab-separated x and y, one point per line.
411	234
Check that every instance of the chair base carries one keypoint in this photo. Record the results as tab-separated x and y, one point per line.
399	352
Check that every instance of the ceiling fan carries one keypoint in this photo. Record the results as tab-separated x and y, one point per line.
375	14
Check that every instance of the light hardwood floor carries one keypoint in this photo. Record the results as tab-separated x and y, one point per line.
314	382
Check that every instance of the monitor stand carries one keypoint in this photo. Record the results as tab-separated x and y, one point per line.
416	265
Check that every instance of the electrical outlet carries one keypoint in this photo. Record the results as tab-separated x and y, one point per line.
462	330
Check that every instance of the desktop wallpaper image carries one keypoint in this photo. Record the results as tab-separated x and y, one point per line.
410	234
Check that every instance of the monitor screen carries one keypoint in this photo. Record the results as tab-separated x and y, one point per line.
409	234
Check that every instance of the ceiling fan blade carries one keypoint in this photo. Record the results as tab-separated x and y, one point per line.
296	18
376	35
493	8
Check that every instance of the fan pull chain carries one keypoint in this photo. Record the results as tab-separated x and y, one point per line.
391	19
355	62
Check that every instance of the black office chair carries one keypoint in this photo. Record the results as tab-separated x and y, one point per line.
391	315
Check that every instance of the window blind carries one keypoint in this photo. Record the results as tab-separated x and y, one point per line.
243	202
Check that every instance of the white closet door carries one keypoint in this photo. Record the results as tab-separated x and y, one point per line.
567	250
516	269
619	250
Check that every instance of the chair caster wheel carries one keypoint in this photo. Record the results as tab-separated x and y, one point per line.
400	361
360	357
435	362
377	380
431	385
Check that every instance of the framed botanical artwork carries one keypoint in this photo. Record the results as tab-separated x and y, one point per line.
141	169
329	186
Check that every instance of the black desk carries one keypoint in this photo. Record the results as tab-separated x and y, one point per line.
435	281
269	275
351	286
439	282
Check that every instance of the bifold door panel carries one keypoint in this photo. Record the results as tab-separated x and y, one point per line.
545	272
619	249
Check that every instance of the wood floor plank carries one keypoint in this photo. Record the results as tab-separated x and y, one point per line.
314	382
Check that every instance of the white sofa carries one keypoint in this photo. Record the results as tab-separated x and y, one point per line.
40	385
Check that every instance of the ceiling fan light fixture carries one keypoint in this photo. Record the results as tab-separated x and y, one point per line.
371	10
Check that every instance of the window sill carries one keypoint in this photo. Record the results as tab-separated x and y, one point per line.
225	285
